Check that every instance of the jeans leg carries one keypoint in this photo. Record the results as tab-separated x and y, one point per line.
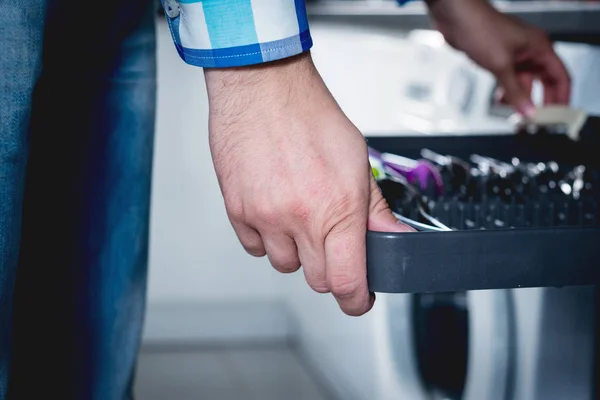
81	283
21	28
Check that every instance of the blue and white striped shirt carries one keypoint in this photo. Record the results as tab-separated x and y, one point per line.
230	33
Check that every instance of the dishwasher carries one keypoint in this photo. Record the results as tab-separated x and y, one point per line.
508	228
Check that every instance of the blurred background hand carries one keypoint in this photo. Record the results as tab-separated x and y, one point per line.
515	52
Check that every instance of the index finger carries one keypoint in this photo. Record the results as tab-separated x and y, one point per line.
556	79
345	258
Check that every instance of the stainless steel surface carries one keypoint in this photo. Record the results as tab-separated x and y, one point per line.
563	18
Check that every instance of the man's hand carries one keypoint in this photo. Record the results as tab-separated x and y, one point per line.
516	53
295	175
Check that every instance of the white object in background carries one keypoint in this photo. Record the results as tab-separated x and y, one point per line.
555	115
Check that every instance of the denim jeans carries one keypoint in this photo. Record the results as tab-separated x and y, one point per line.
77	103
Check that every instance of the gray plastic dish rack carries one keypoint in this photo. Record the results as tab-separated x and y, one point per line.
542	250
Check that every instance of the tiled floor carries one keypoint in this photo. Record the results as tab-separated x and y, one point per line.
261	373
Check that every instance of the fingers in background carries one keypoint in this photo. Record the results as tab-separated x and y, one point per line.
556	80
515	92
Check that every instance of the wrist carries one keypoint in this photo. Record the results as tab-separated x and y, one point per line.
274	80
452	17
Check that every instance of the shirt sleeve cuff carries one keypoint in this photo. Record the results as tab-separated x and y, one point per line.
234	33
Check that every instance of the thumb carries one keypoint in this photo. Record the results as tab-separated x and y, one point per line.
381	218
516	93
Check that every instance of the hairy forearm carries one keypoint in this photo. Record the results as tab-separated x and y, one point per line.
264	89
266	82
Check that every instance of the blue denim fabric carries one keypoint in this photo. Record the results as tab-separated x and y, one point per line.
21	31
86	118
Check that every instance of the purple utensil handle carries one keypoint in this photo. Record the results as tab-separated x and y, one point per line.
424	172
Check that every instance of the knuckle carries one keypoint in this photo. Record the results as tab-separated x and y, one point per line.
346	204
345	199
379	204
346	224
344	286
541	37
316	278
500	63
254	250
235	209
300	210
318	284
319	287
355	312
286	267
268	213
354	196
